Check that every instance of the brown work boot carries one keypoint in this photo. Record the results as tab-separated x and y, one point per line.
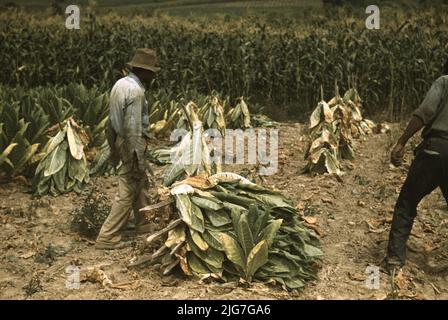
112	246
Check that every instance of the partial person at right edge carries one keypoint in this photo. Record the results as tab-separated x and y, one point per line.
428	171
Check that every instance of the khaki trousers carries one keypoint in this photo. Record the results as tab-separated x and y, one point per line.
133	187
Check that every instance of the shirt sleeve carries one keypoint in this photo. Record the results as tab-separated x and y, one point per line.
133	117
133	126
428	108
145	119
116	106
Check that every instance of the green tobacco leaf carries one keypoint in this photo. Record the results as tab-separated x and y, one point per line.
233	199
312	251
197	239
297	263
270	231
207	203
19	151
256	258
175	236
174	172
195	264
252	217
77	169
58	158
8	162
225	228
197	219
331	163
29	153
270	200
69	185
55	141
235	215
211	256
100	160
218	218
245	111
74	143
183	205
210	116
183	157
5	153
43	163
214	258
196	152
53	191
278	265
213	240
346	152
321	113
233	207
233	250
293	283
59	179
244	234
43	186
161	155
258	219
216	271
315	117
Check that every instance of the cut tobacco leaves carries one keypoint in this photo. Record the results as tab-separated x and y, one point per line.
232	228
191	155
213	116
62	163
239	117
332	126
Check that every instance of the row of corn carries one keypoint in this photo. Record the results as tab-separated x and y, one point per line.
281	63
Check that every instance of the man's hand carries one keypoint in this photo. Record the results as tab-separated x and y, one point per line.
396	156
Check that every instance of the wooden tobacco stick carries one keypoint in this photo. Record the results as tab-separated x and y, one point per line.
148	257
159	252
141	260
170	267
157	205
176	247
160	233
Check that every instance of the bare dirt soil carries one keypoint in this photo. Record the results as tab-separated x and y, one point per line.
351	214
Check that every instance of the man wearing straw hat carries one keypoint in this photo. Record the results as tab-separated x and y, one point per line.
127	135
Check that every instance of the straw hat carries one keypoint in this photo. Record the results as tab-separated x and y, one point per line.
146	59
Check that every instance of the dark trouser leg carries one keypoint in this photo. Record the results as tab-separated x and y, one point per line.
444	188
444	182
423	177
444	176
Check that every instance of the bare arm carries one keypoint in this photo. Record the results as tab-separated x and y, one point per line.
422	116
413	127
397	153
